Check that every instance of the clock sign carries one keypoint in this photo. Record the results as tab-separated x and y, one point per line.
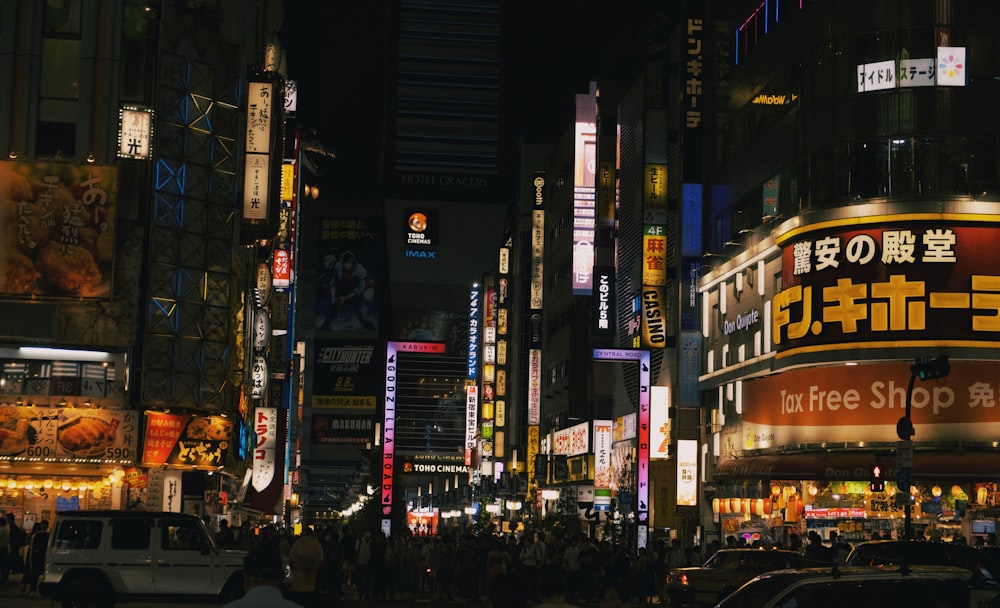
261	328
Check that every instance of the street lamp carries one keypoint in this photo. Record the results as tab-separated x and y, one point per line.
925	368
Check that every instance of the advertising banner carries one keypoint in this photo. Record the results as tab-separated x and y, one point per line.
864	402
331	428
265	427
687	473
654	255
60	222
654	317
602	465
888	284
350	259
185	442
68	434
347	375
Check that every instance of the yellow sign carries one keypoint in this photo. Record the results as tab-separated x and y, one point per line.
287	182
654	195
654	317
654	255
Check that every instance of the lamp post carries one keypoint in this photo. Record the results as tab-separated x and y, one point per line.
925	368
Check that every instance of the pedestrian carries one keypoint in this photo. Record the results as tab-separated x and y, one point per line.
4	551
224	538
305	560
362	572
263	574
18	538
35	560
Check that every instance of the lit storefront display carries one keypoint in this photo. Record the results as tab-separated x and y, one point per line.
858	298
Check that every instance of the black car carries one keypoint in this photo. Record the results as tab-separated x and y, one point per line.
985	581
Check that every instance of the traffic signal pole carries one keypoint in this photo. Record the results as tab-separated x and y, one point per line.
905	473
924	368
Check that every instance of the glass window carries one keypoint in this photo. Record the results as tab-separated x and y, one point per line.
62	18
183	535
78	534
130	533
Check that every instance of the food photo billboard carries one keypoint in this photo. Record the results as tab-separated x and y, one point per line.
58	232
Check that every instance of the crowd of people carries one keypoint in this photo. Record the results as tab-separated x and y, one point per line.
23	552
530	570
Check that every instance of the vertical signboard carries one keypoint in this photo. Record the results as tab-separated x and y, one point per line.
687	473
602	465
642	433
654	192
659	422
471	421
260	99
604	301
135	133
389	434
534	386
584	191
264	462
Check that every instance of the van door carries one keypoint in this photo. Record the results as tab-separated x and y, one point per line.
185	561
130	559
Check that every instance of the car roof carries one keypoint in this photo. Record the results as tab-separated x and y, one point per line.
889	571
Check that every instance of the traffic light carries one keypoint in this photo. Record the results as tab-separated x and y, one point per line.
877	483
927	368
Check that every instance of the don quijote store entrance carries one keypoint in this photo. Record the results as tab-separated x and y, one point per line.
806	402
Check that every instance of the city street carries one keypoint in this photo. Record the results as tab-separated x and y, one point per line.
11	597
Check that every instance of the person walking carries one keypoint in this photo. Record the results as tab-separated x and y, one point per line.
4	551
34	563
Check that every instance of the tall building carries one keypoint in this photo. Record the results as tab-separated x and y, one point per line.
129	259
850	191
435	191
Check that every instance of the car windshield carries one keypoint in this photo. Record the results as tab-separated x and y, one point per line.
722	559
757	592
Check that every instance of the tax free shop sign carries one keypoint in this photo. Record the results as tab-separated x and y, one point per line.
864	402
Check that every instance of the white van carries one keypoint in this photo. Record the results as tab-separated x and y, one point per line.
97	558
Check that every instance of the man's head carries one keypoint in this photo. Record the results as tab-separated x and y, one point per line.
305	556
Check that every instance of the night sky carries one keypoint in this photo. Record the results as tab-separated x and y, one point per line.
335	53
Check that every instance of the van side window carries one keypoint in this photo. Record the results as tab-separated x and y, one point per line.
130	533
181	535
78	534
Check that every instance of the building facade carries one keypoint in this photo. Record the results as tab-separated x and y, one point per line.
129	262
850	193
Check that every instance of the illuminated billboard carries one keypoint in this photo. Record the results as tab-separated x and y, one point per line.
584	191
60	220
874	282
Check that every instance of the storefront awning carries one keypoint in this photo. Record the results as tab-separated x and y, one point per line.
847	466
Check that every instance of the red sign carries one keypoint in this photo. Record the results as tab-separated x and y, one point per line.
888	284
421	347
281	270
182	441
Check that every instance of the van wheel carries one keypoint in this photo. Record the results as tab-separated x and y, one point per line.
87	592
